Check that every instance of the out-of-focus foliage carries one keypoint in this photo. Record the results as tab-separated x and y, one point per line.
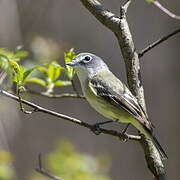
6	171
150	1
9	59
69	164
50	72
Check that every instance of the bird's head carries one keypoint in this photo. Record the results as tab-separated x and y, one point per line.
87	63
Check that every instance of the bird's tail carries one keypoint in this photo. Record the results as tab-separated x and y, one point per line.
159	148
148	133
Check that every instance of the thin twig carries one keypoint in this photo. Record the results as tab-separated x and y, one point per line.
63	95
44	172
166	11
38	108
159	41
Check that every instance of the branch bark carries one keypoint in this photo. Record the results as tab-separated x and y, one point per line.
156	43
119	26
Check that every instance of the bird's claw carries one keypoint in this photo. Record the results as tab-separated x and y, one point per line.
96	129
124	137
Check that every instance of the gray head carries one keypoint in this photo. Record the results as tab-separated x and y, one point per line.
87	63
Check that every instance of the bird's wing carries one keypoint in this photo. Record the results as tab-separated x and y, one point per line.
119	97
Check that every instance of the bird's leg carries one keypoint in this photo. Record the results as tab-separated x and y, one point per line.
96	127
125	129
124	132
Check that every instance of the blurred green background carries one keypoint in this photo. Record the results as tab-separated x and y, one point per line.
47	29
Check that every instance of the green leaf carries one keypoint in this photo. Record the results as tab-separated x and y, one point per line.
15	79
54	71
6	54
15	66
69	57
62	83
28	72
21	54
18	72
37	81
44	70
21	73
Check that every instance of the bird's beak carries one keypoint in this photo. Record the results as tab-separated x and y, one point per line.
72	63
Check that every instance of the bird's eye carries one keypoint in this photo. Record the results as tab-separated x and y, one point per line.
87	58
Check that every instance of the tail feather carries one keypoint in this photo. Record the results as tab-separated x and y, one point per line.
159	147
149	134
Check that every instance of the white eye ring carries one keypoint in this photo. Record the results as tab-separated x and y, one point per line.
87	58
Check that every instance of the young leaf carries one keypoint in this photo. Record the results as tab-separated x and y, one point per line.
37	81
53	71
28	72
69	57
44	70
61	68
18	72
19	53
62	83
21	73
15	66
15	79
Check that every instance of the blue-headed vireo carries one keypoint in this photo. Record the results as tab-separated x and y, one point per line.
109	96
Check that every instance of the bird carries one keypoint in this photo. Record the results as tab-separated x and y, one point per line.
110	97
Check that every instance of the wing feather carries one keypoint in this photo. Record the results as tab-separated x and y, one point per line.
121	98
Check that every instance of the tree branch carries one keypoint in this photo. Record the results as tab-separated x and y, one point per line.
121	29
130	57
106	17
38	108
166	11
156	43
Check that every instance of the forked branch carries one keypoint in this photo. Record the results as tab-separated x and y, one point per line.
119	26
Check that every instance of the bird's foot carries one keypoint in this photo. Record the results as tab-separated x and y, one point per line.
125	129
96	127
124	137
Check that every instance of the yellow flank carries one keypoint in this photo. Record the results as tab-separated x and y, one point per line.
105	108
